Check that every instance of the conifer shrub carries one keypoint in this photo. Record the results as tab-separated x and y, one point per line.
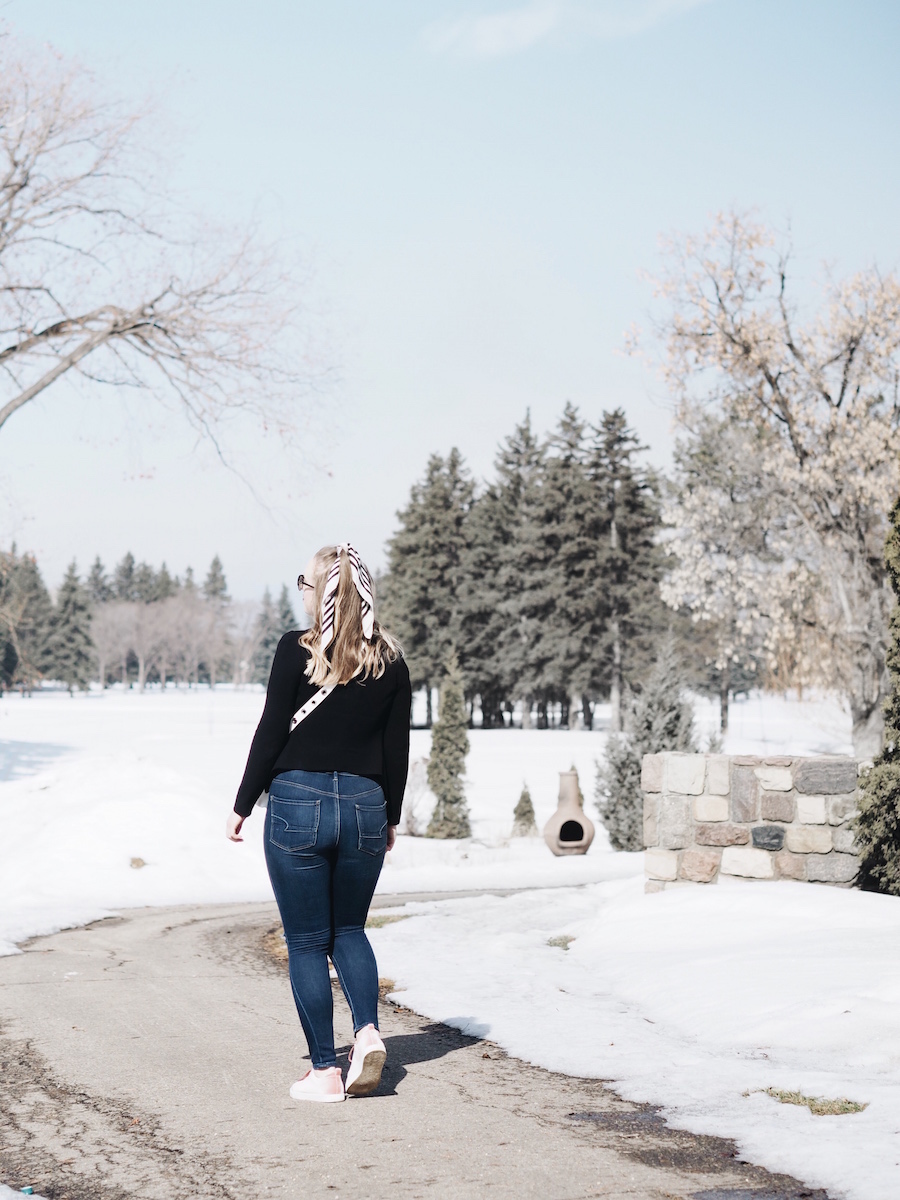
657	718
877	828
524	824
449	747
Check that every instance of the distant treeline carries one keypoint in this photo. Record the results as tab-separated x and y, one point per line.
545	581
138	625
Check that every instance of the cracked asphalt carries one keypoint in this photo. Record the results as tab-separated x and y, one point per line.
149	1056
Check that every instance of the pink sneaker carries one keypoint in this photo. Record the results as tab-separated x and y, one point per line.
366	1062
325	1087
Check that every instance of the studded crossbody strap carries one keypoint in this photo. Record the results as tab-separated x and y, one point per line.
313	702
300	715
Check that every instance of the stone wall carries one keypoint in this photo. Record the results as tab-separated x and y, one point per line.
707	815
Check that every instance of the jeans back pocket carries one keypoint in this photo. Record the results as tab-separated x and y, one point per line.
293	824
371	823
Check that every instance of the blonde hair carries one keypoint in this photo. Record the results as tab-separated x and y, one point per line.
350	652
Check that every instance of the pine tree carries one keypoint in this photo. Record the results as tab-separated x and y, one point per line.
98	586
657	719
165	585
26	614
215	588
70	649
268	633
144	583
287	618
420	603
569	524
486	585
546	568
877	829
123	579
524	824
449	747
625	584
35	624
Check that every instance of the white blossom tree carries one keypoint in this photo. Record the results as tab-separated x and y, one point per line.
813	419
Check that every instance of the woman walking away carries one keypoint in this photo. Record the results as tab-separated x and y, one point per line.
332	750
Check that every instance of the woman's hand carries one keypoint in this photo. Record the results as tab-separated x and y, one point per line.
233	827
391	836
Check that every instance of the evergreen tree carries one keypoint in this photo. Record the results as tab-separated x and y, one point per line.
70	649
144	587
546	569
26	614
165	585
215	588
123	579
287	618
657	719
98	586
487	584
626	602
878	824
425	554
268	632
449	747
524	824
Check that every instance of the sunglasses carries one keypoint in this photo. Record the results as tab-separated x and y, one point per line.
303	582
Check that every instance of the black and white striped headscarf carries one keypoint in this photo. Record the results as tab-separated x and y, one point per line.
363	581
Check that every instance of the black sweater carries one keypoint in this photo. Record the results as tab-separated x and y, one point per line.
362	728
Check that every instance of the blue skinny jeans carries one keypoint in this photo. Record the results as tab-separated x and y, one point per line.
325	839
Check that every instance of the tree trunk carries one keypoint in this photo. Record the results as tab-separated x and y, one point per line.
724	697
101	671
142	673
428	711
564	710
868	727
587	712
526	713
615	682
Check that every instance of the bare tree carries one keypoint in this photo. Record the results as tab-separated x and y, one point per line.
246	638
103	280
110	630
814	406
188	615
148	636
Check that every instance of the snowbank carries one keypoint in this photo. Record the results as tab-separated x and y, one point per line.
697	999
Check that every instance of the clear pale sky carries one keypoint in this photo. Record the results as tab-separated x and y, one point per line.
477	188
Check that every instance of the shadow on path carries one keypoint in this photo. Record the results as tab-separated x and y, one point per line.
432	1042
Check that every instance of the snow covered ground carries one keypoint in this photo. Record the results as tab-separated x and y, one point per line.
696	999
687	998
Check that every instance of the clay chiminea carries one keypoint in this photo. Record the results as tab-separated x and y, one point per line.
569	831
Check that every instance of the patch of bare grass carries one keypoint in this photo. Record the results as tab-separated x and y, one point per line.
819	1106
377	920
274	944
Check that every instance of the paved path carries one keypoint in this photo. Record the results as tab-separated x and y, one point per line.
148	1057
